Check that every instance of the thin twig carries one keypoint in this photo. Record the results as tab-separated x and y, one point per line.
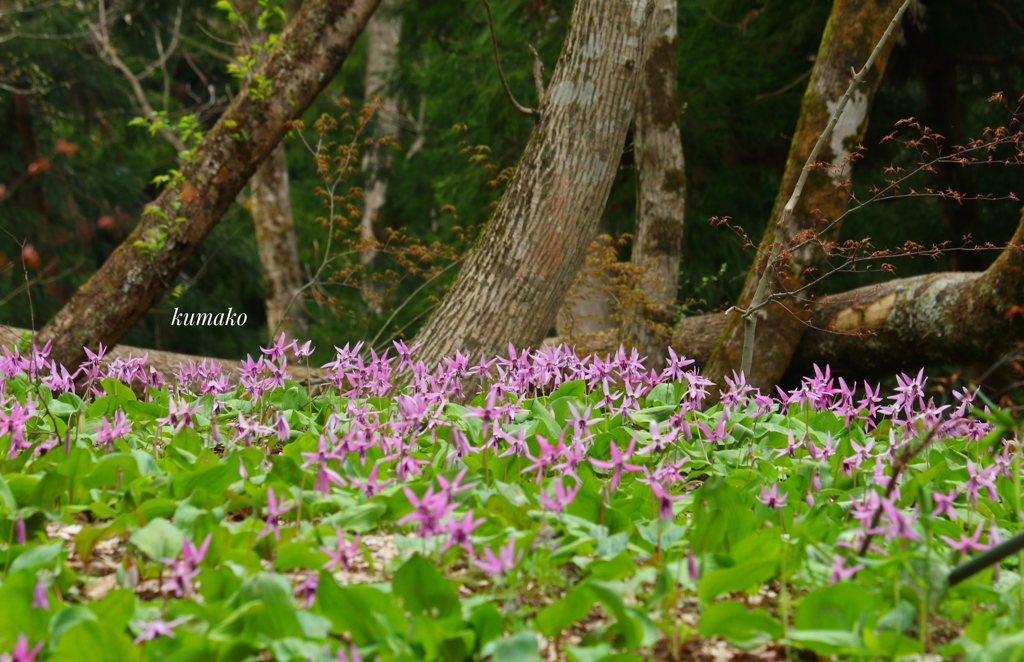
785	88
812	158
903	460
107	52
532	112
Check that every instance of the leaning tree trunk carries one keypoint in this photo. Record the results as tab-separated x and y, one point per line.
854	28
513	283
661	190
271	209
139	272
942	318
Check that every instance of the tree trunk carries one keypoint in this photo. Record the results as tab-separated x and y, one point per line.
513	283
590	314
382	35
661	190
948	317
854	28
271	210
139	272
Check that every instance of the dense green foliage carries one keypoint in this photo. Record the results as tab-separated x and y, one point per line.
538	501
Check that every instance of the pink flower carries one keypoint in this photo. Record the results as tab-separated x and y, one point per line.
343	552
966	544
21	652
840	572
498	564
274	511
771	497
157	628
562	497
618	462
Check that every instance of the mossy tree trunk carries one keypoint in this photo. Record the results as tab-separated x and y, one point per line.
661	190
515	279
853	30
139	272
907	323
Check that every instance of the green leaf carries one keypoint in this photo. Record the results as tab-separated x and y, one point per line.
743	628
293	556
358	519
617	567
737	578
37	557
116	608
424	589
16	613
570	608
368	614
65	619
159	539
7	499
487	622
544	415
87	538
836	607
116	469
577	388
659	414
95	642
630	627
520	647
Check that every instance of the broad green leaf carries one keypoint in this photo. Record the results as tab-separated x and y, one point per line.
570	608
424	589
95	642
741	627
114	470
37	557
358	519
520	647
367	613
159	539
737	578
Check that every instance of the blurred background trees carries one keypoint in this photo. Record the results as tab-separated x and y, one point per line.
743	66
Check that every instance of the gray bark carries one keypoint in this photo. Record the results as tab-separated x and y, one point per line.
271	209
661	190
382	35
514	281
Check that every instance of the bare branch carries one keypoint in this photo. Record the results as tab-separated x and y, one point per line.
109	55
785	88
532	112
750	321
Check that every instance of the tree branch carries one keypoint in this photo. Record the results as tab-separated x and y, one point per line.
532	112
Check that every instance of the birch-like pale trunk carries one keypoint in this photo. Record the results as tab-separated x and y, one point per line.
514	281
661	191
140	271
382	35
854	28
271	209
